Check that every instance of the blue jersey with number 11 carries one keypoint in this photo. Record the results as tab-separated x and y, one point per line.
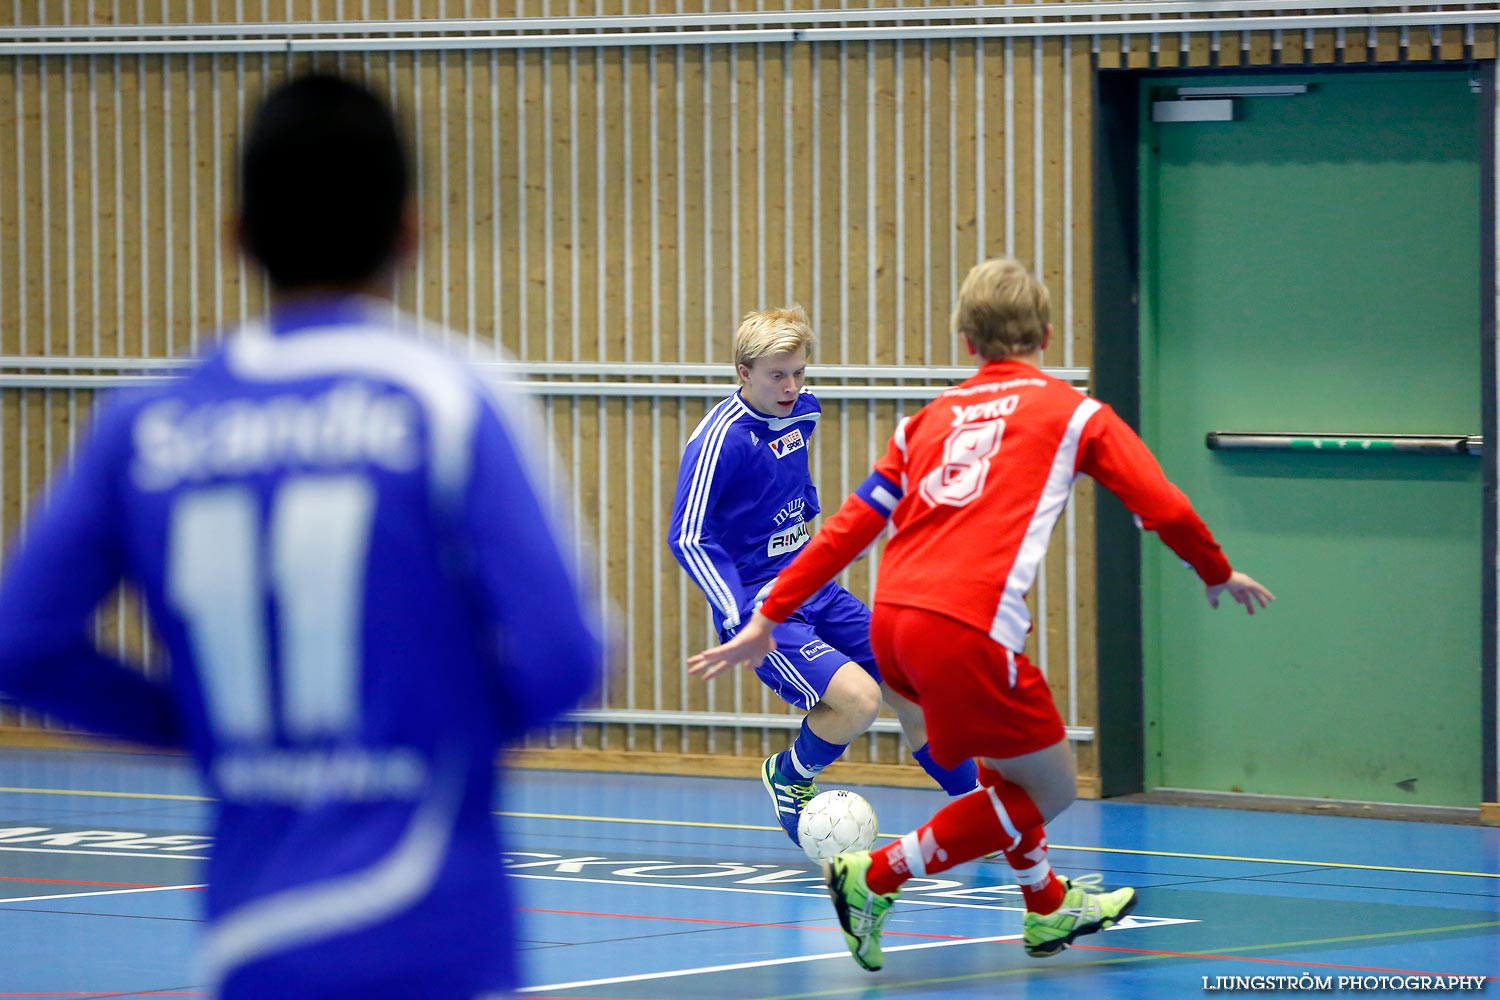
355	574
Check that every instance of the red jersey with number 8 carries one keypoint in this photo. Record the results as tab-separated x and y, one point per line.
986	470
974	483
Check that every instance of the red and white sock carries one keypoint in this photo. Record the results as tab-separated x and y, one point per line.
1027	839
998	815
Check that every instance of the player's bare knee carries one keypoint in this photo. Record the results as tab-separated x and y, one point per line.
915	731
1057	800
1052	792
909	714
853	696
860	709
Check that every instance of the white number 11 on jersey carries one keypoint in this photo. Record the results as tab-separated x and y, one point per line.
223	578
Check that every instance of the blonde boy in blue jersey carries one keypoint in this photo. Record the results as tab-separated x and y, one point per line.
744	505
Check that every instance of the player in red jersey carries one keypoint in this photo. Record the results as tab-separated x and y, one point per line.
972	485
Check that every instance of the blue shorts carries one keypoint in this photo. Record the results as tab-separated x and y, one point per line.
830	630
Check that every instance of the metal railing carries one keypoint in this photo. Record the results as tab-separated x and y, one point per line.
658	611
588	378
868	25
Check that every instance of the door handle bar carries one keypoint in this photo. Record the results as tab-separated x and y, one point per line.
1404	444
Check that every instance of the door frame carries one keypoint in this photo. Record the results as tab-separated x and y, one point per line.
1118	281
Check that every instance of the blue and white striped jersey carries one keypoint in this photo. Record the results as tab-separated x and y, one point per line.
744	501
355	573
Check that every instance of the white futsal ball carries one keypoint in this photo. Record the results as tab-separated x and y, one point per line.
836	822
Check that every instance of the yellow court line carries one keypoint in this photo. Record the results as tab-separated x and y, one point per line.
1133	959
699	824
702	825
110	795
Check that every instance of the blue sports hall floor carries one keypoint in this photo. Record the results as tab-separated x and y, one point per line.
647	886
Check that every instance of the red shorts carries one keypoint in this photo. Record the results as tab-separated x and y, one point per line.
978	698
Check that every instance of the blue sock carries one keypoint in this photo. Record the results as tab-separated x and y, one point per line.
809	755
961	780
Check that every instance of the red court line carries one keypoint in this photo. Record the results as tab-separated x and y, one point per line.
69	881
728	923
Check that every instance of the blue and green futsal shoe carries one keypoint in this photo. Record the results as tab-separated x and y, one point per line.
789	797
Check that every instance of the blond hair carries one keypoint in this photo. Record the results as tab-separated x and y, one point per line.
1003	309
772	331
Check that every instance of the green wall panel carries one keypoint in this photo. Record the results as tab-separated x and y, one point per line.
1314	266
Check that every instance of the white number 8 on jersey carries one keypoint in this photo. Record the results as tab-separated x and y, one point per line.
966	464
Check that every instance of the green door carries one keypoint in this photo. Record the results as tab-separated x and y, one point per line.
1313	266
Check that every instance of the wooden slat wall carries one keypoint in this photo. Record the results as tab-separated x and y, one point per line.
1239	49
607	205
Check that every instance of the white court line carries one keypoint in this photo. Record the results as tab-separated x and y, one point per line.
822	897
768	963
756	965
106	892
641	977
1127	924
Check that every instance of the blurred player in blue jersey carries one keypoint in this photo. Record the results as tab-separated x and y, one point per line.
353	568
744	506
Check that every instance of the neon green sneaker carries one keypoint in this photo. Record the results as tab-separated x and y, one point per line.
789	797
1085	909
862	913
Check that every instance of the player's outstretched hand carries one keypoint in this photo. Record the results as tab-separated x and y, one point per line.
1243	589
747	649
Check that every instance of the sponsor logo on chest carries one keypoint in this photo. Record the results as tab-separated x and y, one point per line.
789	442
793	508
790	540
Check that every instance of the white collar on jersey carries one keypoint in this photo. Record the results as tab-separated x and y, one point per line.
775	423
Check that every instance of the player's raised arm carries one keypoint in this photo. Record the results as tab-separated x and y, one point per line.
1115	455
841	540
70	560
